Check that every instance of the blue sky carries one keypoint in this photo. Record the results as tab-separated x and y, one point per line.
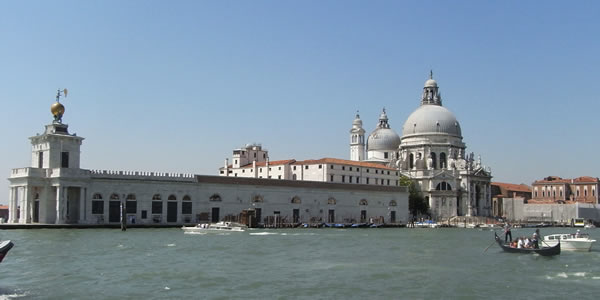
174	86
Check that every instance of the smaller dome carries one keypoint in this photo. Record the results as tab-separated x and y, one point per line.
57	109
383	139
431	83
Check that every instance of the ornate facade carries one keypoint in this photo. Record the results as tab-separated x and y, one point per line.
432	152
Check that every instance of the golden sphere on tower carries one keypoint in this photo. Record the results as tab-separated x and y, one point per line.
57	109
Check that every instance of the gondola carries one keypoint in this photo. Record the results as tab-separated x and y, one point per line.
544	251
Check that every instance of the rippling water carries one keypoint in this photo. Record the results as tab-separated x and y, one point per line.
288	264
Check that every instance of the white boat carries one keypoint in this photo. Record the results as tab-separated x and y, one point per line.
215	227
589	226
570	241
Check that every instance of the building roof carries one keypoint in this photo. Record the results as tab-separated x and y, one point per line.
552	179
3	206
338	161
586	179
556	179
513	187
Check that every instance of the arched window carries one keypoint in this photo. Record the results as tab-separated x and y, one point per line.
434	160
186	205
215	198
363	202
114	197
294	177
331	201
411	160
585	192
296	200
97	196
156	197
172	197
393	203
131	204
443	164
36	196
443	186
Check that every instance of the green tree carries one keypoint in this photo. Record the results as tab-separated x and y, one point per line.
416	202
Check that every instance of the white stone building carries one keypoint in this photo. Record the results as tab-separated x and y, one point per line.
432	152
252	161
55	190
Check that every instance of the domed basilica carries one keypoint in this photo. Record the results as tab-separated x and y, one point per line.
430	151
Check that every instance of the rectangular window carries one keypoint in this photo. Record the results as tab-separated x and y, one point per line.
40	159
331	167
131	207
350	168
343	168
388	181
367	170
367	180
157	207
376	171
186	208
254	154
320	166
385	155
260	170
388	172
331	178
279	168
294	168
64	160
279	177
305	167
357	179
343	178
243	171
97	207
144	214
357	170
350	179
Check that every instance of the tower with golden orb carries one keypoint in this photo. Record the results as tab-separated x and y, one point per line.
50	189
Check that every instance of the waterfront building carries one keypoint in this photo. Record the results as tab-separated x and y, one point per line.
501	191
54	189
553	189
252	161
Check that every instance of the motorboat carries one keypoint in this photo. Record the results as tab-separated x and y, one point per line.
427	224
570	241
5	246
543	251
215	227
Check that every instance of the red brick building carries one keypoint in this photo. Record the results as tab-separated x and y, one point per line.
554	189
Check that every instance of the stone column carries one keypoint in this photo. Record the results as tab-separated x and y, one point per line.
60	206
82	205
12	206
23	205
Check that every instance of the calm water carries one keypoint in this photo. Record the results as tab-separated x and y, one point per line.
393	263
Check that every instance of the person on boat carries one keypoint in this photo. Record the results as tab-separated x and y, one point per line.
535	239
507	233
520	243
578	234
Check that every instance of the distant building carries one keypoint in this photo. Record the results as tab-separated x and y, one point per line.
3	213
554	189
501	191
253	161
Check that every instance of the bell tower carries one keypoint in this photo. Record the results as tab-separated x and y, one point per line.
56	147
357	140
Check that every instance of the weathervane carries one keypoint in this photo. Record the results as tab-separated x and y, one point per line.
57	108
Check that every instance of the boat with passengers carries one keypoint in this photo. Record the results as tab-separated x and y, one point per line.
570	241
544	251
215	227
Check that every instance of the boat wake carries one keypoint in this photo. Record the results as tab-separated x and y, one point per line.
573	275
264	233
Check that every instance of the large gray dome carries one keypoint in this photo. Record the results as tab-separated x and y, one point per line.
431	119
383	139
